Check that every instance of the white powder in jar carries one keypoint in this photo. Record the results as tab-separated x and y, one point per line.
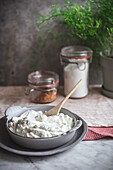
72	74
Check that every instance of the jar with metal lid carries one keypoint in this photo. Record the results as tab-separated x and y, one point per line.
75	60
43	86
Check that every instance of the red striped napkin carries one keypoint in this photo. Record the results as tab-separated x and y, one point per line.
98	132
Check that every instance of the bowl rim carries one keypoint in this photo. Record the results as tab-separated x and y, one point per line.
46	138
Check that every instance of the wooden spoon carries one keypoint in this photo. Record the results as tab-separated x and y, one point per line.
55	110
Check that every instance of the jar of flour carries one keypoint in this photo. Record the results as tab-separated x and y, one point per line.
75	60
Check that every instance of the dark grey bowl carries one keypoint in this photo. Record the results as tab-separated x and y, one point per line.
40	143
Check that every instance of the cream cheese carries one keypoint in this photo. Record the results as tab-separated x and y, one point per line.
36	124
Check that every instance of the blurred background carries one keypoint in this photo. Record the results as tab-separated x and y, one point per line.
24	50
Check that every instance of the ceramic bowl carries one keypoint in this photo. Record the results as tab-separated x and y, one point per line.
40	143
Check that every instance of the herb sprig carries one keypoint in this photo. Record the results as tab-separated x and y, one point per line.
92	21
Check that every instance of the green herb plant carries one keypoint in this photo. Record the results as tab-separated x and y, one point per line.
92	22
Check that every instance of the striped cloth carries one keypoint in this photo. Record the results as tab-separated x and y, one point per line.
98	132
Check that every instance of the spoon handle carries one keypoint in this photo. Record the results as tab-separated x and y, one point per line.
55	110
69	94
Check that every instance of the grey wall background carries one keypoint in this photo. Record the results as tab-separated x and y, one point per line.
21	52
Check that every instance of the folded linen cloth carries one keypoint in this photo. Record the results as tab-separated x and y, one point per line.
98	132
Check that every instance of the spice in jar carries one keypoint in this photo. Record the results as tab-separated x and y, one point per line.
46	95
43	86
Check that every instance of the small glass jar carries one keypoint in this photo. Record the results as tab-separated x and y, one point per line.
43	86
75	60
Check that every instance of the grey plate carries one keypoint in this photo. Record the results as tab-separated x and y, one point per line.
7	144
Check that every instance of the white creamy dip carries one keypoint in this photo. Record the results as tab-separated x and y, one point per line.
36	124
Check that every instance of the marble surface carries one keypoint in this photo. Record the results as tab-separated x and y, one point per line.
87	155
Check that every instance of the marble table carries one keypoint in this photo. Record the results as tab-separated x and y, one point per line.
86	155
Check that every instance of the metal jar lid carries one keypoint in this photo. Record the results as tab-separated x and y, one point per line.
43	79
76	52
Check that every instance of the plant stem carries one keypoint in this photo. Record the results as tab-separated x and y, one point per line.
102	44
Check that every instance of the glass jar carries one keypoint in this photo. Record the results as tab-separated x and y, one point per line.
43	86
75	60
